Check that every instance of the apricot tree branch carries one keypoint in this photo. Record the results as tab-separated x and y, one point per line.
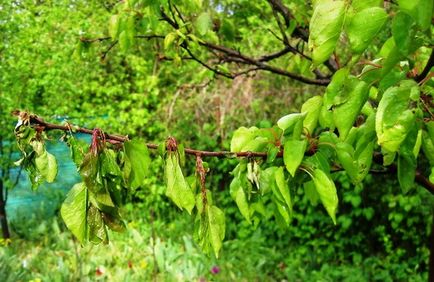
42	125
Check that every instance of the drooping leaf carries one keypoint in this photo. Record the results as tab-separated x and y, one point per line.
46	164
267	179
177	187
364	26
114	27
325	28
420	10
428	147
74	211
283	188
312	109
311	193
89	171
327	192
78	149
404	33
349	104
137	154
345	153
238	194
293	154
407	161
217	228
97	231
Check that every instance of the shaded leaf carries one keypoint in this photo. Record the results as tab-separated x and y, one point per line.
137	154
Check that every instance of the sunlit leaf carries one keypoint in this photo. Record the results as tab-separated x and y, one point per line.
74	211
325	28
327	192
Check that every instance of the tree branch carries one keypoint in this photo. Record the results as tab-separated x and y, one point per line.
235	56
46	126
43	125
279	7
419	178
232	55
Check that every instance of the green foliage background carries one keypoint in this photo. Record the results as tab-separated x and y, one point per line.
381	234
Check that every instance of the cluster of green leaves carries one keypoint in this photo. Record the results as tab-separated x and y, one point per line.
109	172
342	130
37	161
377	109
209	223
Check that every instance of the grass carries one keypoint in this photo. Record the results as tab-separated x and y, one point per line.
164	251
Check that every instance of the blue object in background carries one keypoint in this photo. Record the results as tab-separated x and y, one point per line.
24	203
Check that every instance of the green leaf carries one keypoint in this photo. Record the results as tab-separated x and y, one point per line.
228	30
242	136
407	163
327	192
203	23
74	210
406	171
124	41
431	176
267	179
364	26
349	104
114	27
293	154
178	189
345	153
288	122
420	10
168	40
312	109
283	188
404	33
359	5
394	119
428	147
238	194
216	221
78	149
89	171
137	154
97	231
325	28
47	166
311	193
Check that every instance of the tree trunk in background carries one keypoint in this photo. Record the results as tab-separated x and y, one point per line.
431	253
3	218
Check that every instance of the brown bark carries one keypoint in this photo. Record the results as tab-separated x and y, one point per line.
3	217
